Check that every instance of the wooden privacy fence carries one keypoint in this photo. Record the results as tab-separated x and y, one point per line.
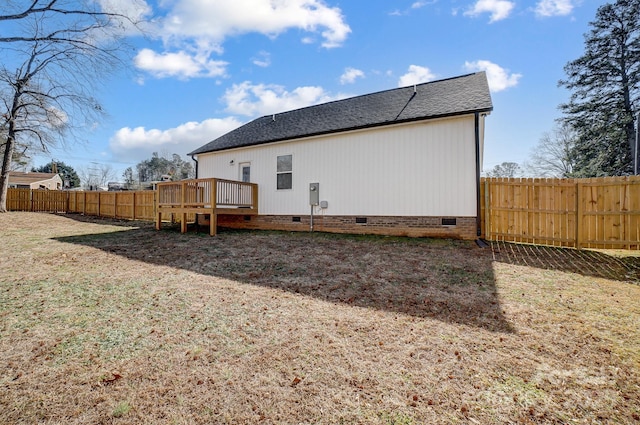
138	205
582	213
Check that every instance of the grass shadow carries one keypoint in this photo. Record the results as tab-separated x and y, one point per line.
447	280
585	262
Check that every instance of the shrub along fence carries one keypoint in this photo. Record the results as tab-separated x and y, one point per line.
581	213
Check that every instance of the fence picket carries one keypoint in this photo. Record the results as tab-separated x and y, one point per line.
590	213
581	213
135	205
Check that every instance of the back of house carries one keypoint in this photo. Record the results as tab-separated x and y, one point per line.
404	161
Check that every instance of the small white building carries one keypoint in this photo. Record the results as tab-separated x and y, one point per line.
48	181
405	161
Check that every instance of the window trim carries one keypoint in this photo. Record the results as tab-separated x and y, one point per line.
241	167
284	172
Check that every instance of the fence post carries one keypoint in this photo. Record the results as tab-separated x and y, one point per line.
579	217
487	211
133	213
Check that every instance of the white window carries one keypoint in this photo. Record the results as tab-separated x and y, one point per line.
245	172
284	172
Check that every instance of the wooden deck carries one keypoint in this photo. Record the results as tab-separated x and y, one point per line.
195	197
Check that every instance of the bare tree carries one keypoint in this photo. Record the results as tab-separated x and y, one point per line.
506	169
97	176
58	52
553	155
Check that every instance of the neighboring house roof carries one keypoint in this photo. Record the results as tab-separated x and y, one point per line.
19	178
443	98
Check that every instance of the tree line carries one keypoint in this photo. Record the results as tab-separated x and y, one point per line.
597	134
156	168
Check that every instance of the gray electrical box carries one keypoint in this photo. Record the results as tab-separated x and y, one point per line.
314	193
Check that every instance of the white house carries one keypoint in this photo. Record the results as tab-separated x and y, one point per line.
404	161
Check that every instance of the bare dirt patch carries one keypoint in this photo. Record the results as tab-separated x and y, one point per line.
112	322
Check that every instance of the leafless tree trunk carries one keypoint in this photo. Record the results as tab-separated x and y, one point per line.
59	51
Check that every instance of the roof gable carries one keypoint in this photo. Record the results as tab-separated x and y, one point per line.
436	99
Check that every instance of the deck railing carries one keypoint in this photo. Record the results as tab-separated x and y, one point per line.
190	199
198	193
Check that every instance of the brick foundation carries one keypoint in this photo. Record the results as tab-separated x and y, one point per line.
464	228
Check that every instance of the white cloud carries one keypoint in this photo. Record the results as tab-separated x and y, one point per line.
263	59
265	99
56	118
421	4
198	28
547	8
139	143
415	5
498	77
136	12
180	64
350	75
499	9
211	21
416	75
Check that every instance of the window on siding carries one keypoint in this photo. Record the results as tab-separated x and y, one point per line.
284	172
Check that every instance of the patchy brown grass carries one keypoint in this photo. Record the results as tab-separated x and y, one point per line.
109	322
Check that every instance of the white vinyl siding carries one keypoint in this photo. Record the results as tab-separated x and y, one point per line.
416	169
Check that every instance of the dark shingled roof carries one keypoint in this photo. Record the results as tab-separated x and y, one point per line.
454	96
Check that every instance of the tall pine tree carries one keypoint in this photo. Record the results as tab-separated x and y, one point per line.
605	86
67	173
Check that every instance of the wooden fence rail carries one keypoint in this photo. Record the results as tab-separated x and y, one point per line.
138	205
582	213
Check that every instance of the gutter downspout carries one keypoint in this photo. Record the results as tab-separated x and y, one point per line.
196	161
478	207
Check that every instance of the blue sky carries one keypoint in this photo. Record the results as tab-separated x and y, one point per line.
208	66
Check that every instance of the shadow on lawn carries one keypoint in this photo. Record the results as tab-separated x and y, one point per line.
451	281
585	262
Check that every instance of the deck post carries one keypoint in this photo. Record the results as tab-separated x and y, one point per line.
183	222
213	223
183	215
172	198
213	217
254	197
